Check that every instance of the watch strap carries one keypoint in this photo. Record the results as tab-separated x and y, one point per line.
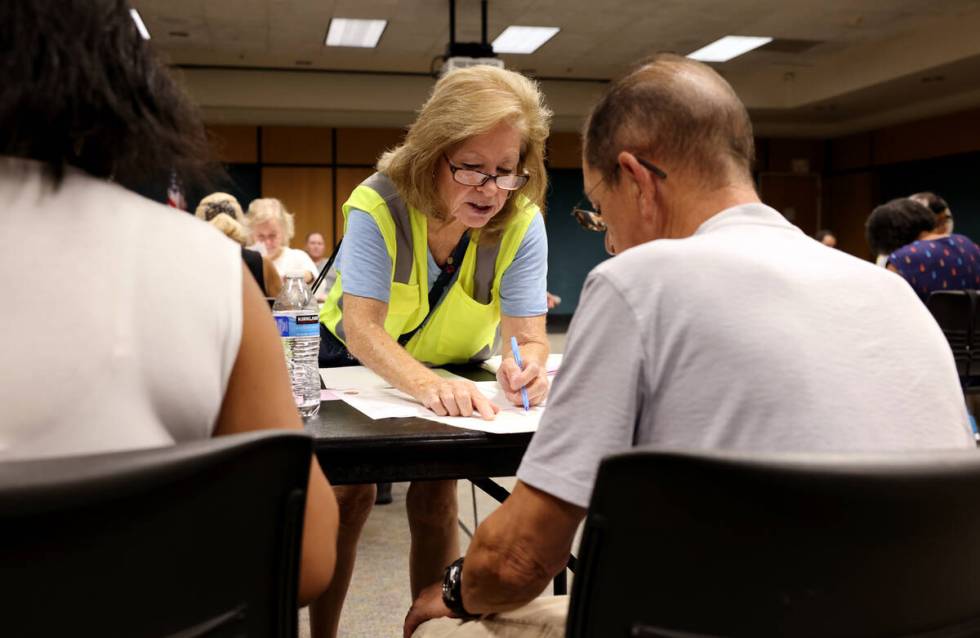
452	589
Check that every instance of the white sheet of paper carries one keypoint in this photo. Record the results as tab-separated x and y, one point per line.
368	393
553	364
362	379
511	419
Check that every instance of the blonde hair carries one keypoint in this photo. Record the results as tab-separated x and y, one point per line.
219	203
270	209
223	211
230	227
466	103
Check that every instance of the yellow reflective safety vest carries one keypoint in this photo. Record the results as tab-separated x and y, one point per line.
463	327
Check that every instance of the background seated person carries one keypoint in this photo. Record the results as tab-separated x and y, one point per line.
222	211
827	238
271	228
707	283
164	336
316	248
938	206
920	250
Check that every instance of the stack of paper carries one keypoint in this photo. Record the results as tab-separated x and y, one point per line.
367	392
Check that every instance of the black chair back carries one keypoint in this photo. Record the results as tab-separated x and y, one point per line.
708	545
197	539
955	311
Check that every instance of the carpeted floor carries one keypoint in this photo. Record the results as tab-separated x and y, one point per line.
379	596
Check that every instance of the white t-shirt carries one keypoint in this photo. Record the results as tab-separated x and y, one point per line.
748	335
137	351
294	260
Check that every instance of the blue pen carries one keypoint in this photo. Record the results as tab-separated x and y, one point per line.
520	364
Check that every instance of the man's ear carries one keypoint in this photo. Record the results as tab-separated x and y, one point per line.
639	178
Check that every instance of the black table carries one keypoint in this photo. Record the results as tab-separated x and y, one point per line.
353	448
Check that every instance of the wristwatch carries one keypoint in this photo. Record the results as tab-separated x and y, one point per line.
452	586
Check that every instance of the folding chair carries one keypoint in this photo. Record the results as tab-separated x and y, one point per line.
747	545
197	539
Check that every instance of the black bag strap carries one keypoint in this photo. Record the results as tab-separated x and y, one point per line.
326	266
452	265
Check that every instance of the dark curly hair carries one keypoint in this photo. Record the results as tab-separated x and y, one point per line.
896	224
82	88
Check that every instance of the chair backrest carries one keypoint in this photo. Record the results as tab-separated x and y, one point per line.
684	544
194	539
955	311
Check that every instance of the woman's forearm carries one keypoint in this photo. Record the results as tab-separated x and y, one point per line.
375	348
532	338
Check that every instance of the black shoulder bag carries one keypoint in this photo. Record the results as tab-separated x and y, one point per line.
452	265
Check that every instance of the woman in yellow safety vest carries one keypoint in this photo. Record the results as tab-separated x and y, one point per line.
444	255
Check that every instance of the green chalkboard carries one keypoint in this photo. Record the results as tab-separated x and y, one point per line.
572	250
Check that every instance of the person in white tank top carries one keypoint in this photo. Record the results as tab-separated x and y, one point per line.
162	336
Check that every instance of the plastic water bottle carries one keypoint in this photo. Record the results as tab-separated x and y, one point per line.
298	322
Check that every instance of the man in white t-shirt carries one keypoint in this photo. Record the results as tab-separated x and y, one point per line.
718	325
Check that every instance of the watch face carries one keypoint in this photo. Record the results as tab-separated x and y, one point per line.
447	585
451	586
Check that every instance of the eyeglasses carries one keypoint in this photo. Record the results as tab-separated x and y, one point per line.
589	219
592	219
471	177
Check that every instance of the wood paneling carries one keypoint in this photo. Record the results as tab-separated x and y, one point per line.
234	144
297	145
365	145
848	201
795	196
784	155
308	194
347	181
565	150
851	152
925	139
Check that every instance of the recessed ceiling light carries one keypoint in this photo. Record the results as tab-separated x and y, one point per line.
515	39
135	15
349	32
731	46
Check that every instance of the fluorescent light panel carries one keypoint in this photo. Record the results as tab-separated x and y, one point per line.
135	15
731	46
350	32
515	39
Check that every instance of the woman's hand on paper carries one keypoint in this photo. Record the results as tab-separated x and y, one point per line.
534	377
455	397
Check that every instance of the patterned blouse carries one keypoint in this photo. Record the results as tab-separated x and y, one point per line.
947	263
